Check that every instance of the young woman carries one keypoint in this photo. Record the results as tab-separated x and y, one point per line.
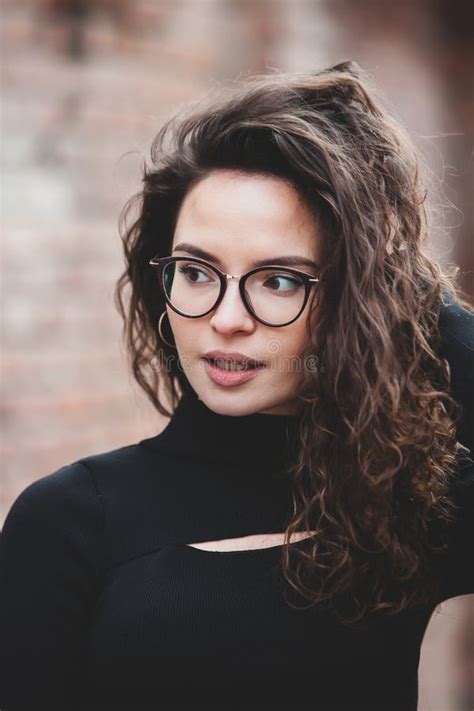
284	541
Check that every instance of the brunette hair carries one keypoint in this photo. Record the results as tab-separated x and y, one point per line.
377	444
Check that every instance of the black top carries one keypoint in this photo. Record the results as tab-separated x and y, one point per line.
103	602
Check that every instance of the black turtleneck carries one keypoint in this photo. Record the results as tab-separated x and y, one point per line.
104	605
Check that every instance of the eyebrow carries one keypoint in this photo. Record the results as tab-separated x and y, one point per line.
290	260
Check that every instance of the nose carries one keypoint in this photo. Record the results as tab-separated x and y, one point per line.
231	314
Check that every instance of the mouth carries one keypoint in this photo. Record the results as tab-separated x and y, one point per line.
234	365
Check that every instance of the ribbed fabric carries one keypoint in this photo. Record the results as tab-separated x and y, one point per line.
105	606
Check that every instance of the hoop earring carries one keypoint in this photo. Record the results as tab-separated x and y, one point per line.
172	345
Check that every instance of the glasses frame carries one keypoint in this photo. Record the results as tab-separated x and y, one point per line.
159	263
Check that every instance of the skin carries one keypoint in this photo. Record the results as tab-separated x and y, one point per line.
244	543
241	218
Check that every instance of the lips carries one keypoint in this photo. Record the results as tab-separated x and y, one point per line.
244	363
233	357
230	377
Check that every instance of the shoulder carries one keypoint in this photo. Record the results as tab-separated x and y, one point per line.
73	491
80	485
70	484
55	524
123	476
83	510
456	324
457	562
61	509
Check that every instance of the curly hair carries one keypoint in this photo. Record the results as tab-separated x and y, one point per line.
376	447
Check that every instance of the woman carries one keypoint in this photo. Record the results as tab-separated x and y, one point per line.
287	536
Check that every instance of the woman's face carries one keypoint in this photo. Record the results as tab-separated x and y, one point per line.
242	219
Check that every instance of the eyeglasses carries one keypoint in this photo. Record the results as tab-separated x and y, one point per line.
273	295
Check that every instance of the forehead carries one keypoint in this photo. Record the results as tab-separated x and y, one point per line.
246	216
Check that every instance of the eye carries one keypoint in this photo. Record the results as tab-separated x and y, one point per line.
192	272
282	283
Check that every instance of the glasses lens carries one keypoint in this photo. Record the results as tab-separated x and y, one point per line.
191	287
276	296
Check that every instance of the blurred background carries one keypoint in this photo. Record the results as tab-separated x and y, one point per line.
85	87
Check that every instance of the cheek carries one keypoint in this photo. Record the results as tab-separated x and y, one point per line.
296	338
284	349
182	329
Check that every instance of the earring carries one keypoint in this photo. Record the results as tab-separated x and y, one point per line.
172	345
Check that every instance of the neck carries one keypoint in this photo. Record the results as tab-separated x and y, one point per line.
259	441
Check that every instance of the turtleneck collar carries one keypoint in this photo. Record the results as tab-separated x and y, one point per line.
252	442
